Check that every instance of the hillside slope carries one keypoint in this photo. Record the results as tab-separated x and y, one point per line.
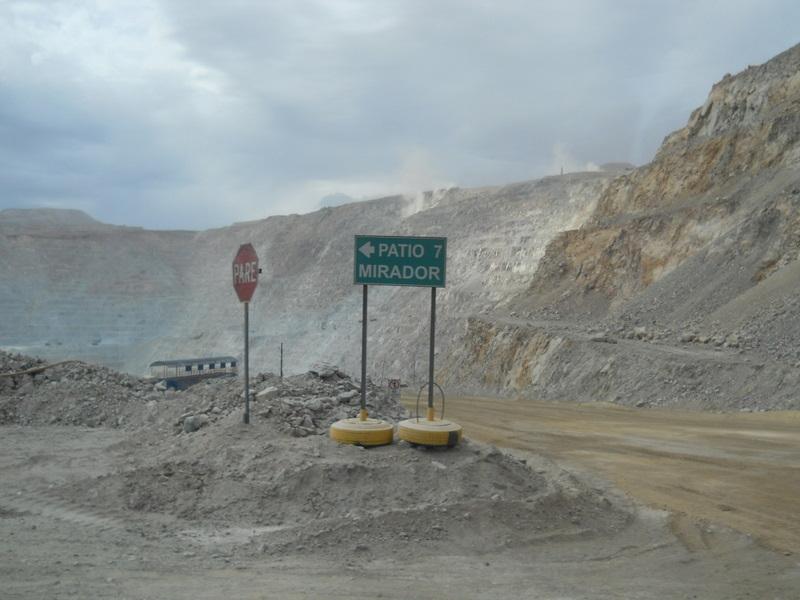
689	262
73	287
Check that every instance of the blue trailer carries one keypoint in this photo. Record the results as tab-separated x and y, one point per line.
183	372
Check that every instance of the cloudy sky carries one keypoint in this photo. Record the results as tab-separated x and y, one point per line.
194	114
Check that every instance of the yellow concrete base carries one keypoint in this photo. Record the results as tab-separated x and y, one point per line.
362	432
430	432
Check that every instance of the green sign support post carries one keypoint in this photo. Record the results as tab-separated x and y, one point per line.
408	261
400	260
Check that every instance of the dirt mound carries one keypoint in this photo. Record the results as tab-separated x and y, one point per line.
310	494
69	393
190	457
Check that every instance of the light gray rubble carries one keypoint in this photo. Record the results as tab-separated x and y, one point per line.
77	393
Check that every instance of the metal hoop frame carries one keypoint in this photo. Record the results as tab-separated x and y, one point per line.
419	395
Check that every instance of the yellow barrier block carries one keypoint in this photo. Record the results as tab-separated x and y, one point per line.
430	432
362	432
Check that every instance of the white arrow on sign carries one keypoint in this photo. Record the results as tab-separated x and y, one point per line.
367	249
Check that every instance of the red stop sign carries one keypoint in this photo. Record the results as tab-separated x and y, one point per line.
245	272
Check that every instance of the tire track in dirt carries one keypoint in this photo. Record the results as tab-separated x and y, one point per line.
44	505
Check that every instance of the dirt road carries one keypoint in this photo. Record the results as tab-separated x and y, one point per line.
57	543
741	470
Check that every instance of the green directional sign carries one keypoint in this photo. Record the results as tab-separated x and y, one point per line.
400	260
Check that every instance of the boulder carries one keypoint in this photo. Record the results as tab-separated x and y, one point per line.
732	341
194	422
315	404
323	370
268	393
347	396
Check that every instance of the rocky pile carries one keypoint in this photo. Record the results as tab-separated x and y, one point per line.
299	405
190	460
69	393
76	393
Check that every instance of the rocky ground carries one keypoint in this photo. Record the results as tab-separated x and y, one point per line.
188	457
116	487
629	365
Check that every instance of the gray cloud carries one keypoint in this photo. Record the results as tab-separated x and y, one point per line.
196	114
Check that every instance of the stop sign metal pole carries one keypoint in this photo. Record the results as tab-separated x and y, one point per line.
246	363
245	280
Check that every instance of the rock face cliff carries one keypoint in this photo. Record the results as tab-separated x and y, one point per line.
735	164
689	263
